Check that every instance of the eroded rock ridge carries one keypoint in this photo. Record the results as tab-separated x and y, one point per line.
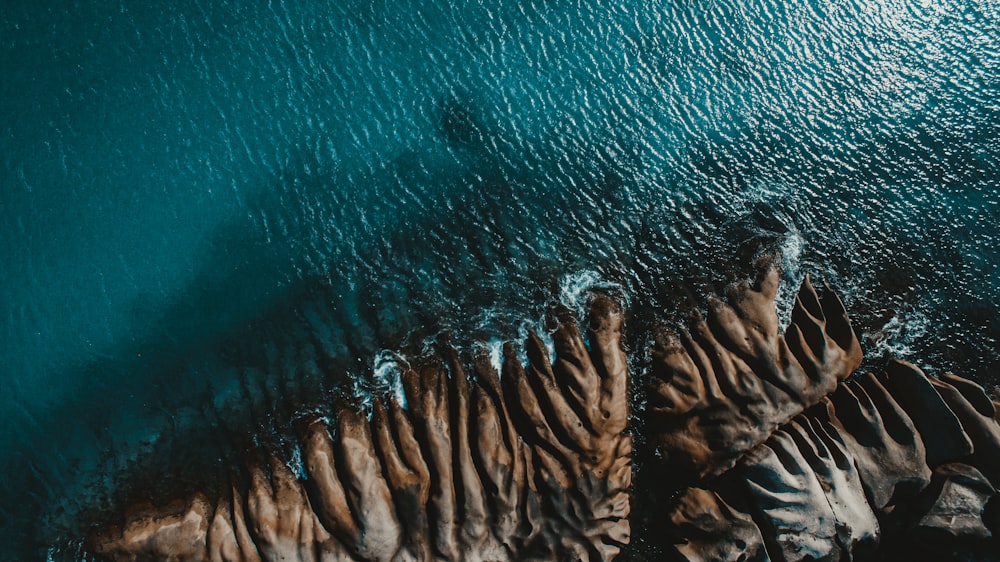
886	465
721	387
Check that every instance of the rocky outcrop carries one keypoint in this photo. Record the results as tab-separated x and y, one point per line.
884	463
529	464
722	387
808	495
958	502
708	529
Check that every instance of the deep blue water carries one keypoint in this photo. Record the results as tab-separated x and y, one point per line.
216	214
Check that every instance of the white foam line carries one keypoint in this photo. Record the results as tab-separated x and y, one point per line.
388	370
494	348
898	336
792	276
575	290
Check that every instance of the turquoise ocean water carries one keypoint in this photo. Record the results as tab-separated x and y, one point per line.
217	214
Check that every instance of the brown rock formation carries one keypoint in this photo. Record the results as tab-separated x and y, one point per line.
881	438
960	494
723	387
808	494
827	484
530	465
714	531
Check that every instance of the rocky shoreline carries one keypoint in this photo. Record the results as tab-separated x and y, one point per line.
773	445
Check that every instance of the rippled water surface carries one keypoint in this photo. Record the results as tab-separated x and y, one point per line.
215	213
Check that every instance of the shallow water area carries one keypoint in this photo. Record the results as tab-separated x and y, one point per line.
216	216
